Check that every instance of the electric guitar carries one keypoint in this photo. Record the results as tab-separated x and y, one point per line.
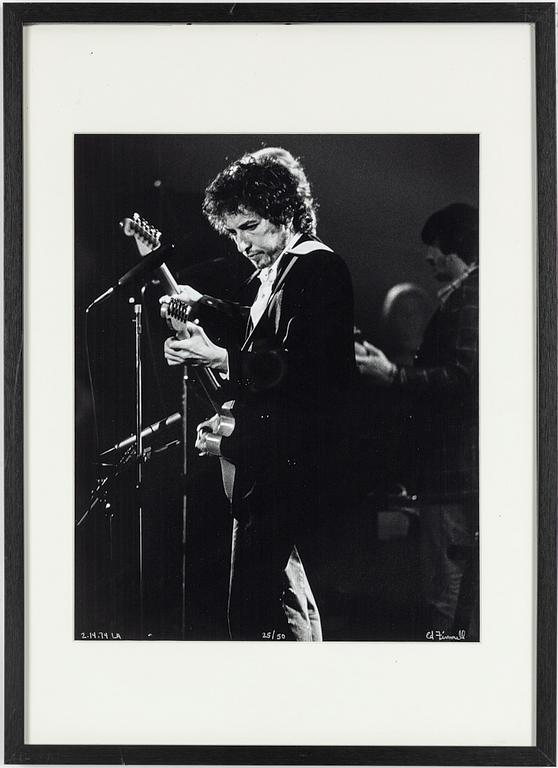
176	313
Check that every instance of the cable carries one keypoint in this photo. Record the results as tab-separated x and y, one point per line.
91	388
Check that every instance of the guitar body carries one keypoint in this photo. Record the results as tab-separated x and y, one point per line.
221	426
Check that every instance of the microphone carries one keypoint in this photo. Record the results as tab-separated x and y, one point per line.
149	263
148	432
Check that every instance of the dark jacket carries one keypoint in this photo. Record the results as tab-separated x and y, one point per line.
290	379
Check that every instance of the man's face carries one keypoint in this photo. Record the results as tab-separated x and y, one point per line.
257	238
440	263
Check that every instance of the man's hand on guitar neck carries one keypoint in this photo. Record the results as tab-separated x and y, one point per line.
186	293
196	349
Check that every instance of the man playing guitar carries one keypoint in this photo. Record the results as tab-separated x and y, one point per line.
287	370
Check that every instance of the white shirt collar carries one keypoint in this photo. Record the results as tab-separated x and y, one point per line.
268	274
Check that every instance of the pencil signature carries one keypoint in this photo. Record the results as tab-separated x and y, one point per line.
438	634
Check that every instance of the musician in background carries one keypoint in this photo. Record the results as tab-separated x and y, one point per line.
287	370
444	384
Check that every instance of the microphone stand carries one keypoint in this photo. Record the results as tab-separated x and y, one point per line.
139	452
184	495
171	286
137	441
151	263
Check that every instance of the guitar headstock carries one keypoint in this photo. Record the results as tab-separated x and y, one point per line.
147	237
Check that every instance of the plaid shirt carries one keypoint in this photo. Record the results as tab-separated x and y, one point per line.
444	385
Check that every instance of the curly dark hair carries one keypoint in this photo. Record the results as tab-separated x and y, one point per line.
454	229
265	184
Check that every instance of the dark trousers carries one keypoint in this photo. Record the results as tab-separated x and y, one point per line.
446	550
270	597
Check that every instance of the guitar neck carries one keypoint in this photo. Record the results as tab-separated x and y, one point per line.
210	384
209	381
205	377
167	280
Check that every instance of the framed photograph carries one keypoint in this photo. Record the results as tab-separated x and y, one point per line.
280	365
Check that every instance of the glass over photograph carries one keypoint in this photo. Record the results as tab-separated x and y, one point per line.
276	387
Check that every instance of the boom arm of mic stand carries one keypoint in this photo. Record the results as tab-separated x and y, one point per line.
151	430
138	273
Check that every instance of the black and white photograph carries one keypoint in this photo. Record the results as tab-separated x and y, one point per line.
276	387
257	391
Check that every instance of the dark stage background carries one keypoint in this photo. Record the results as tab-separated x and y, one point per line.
374	193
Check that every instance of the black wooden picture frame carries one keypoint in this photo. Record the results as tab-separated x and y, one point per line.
542	17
